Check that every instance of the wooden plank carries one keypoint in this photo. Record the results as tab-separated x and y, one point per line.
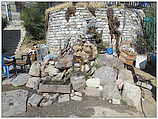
54	88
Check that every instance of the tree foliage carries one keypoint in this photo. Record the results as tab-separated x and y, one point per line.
34	22
4	22
150	28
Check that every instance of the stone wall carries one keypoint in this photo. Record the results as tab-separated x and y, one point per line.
59	30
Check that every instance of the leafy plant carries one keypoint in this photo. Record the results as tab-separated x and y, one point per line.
4	22
34	22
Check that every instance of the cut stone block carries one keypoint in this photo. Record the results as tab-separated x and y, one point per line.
33	82
63	98
78	82
34	100
94	92
132	95
49	99
93	82
54	88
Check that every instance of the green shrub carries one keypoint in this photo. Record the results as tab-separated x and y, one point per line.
34	22
4	22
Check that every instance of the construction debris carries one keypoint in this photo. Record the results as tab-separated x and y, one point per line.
35	100
20	80
54	88
78	82
79	68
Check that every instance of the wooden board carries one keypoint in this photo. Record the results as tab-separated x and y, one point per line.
54	88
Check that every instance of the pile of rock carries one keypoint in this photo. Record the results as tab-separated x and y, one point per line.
67	78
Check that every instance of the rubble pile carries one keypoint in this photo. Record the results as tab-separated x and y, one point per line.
76	73
74	70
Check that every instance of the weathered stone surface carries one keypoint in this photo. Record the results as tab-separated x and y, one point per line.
78	82
105	74
21	79
132	95
59	76
116	101
63	98
110	91
7	81
47	78
109	60
34	100
77	25
86	68
54	88
35	69
49	99
64	62
93	82
94	92
52	71
124	75
33	82
14	102
77	96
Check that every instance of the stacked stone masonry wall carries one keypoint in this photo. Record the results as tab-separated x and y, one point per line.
59	30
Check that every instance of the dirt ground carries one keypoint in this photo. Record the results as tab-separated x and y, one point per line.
88	107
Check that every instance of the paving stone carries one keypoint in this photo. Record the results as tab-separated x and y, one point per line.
14	102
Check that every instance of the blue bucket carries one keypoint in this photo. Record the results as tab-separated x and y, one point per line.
108	51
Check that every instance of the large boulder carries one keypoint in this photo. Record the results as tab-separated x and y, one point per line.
109	60
35	69
105	74
20	80
124	75
93	82
33	82
111	92
131	95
